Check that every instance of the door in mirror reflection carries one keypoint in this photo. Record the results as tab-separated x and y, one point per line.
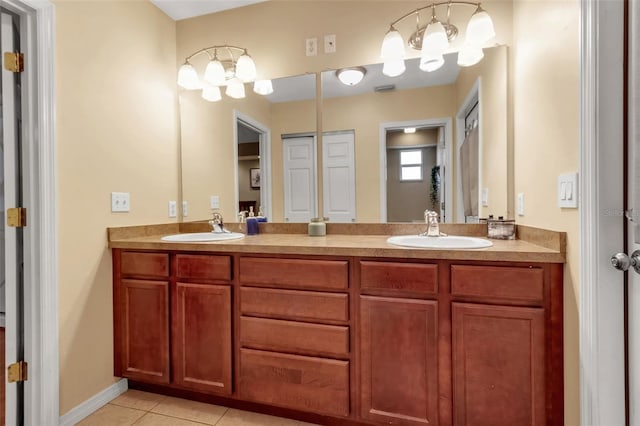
300	179
338	177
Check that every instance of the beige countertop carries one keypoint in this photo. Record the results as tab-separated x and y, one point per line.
540	245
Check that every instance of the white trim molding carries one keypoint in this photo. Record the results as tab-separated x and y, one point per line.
602	372
41	260
82	411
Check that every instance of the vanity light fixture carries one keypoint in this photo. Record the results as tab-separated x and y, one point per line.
351	76
433	39
229	66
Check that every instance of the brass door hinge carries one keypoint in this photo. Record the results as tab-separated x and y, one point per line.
17	372
17	217
14	61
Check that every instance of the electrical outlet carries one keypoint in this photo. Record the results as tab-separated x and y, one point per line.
330	43
173	209
120	202
185	209
520	204
214	202
312	46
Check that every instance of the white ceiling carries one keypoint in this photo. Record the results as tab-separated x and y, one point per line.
183	9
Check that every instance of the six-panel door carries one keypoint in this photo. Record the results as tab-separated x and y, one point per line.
399	362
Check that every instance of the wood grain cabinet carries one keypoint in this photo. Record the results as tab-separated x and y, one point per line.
399	360
345	340
182	302
201	336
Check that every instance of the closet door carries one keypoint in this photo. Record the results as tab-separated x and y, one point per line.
300	188
339	177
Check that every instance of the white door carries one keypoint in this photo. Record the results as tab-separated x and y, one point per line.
339	177
299	164
12	237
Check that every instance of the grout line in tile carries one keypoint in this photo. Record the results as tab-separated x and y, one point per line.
182	418
226	410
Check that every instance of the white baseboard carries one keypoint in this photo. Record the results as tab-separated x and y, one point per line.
95	402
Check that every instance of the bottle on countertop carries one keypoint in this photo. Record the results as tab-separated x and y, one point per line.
261	217
252	223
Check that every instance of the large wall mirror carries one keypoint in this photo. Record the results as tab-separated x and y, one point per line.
232	150
358	164
435	141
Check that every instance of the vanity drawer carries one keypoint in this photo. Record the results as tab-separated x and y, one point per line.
292	336
203	266
144	264
302	273
517	284
412	277
299	382
293	304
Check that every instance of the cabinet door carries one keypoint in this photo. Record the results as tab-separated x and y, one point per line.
202	337
145	330
498	365
399	362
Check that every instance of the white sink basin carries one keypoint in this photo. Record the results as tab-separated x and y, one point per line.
203	236
448	242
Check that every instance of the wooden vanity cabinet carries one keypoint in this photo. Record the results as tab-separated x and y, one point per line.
295	333
351	340
141	316
179	301
201	323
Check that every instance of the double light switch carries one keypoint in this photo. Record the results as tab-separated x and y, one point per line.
568	191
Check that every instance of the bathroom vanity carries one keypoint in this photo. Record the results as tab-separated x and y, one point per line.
345	329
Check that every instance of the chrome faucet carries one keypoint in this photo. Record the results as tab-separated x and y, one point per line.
217	224
433	227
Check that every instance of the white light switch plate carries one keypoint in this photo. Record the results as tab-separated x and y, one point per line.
173	209
568	191
520	204
120	202
185	209
485	197
215	202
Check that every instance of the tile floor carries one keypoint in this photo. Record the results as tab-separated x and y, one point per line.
147	409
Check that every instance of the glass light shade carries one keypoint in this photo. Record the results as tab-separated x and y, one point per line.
434	40
211	93
392	46
393	68
351	76
470	55
431	63
214	73
188	77
263	87
235	89
245	68
480	28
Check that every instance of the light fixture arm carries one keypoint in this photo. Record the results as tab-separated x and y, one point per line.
228	47
434	5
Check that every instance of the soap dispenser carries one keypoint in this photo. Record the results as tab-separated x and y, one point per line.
252	223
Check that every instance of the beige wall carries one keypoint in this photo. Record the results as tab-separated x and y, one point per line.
116	131
546	111
209	129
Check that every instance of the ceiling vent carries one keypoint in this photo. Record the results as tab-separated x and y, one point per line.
385	88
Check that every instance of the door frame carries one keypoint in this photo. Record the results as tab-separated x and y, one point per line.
602	375
265	160
445	122
40	236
